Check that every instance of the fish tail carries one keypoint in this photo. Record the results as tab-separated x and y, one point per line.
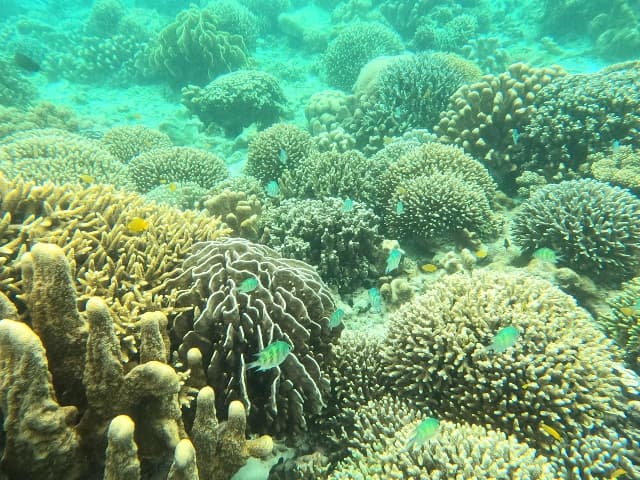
255	364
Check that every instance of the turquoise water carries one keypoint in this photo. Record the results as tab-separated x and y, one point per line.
333	239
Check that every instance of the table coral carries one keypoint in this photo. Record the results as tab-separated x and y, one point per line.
290	303
592	226
561	372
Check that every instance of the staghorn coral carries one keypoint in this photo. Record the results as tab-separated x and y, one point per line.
377	449
176	165
128	141
332	174
238	211
486	117
192	49
130	271
345	247
60	157
277	149
592	226
620	167
408	93
228	326
561	372
236	100
621	321
443	191
42	115
354	46
577	115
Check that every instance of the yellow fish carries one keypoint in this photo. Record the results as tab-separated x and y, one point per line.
137	225
482	253
550	431
428	268
172	187
86	178
162	181
618	472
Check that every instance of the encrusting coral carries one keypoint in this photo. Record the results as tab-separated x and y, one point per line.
131	421
230	325
561	373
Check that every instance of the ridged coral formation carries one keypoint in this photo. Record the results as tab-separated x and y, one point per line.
377	449
442	191
592	226
277	149
354	47
561	372
408	93
192	49
576	115
620	167
290	303
345	246
332	174
236	100
60	157
486	117
127	141
176	165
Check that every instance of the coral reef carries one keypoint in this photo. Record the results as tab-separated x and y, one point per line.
15	89
344	246
354	46
620	167
327	112
229	326
235	18
42	115
561	372
592	226
236	100
487	117
238	211
408	93
442	191
60	157
176	164
128	141
621	322
277	149
192	49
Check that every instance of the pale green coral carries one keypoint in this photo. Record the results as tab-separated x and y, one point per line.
620	167
127	141
622	322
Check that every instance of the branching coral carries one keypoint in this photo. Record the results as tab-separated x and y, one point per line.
176	164
561	372
193	50
621	322
128	141
345	246
236	100
620	167
42	115
594	227
230	326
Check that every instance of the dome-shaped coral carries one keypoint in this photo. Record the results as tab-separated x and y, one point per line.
592	226
127	141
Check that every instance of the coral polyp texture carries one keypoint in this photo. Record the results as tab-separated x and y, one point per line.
560	373
231	323
127	141
236	100
621	322
620	166
486	117
442	191
594	227
193	50
176	165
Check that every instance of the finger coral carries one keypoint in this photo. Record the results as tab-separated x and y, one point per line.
594	227
230	325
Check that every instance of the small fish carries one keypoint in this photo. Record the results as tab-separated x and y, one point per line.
347	206
401	190
273	189
426	430
137	225
506	244
271	356
282	156
375	300
504	339
482	253
526	386
551	431
615	146
336	318
393	260
546	255
399	207
515	134
618	472
162	181
248	285
428	268
26	63
631	310
86	178
172	187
